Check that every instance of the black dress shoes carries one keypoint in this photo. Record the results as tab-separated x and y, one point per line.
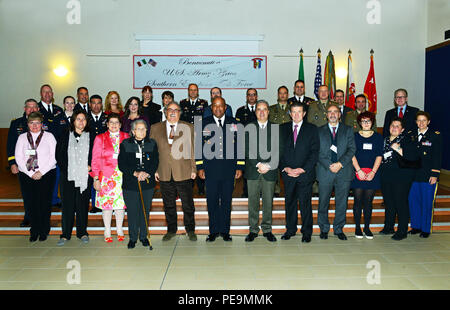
386	232
25	224
414	231
342	236
287	236
397	236
269	236
306	238
424	235
132	244
42	237
250	237
211	237
145	242
226	237
323	235
33	238
95	210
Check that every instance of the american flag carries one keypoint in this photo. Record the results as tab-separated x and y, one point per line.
318	79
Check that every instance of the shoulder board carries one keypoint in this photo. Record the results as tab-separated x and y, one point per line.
437	132
13	119
410	131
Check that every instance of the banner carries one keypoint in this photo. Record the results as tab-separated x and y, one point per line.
370	88
330	76
350	88
318	78
301	70
178	71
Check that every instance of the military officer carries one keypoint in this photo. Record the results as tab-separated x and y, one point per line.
245	115
83	98
423	190
299	95
19	126
317	113
279	112
218	170
64	121
216	92
351	118
193	105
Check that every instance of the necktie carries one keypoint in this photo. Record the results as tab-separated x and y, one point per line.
401	113
49	108
420	136
251	109
295	133
334	132
172	132
96	118
220	123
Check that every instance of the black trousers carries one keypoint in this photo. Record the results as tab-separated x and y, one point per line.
137	226
169	192
74	202
218	199
395	196
298	193
363	199
38	195
26	201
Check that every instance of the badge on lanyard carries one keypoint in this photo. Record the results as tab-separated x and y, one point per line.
333	148
30	152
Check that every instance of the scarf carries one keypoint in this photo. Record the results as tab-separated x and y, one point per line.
32	162
77	160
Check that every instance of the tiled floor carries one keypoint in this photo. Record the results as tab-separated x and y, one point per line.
413	263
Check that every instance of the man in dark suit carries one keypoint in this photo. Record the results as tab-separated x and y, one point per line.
334	169
261	163
83	98
340	99
218	169
299	154
299	95
402	110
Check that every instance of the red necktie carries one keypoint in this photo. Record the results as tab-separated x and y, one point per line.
401	113
334	132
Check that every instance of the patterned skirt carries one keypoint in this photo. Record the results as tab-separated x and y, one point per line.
110	196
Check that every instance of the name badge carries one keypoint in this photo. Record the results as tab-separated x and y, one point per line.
387	155
139	155
333	148
367	146
115	156
30	152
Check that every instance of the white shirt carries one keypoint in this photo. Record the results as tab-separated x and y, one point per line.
423	133
96	115
222	119
300	98
331	127
84	106
262	125
168	129
252	108
298	127
192	101
46	106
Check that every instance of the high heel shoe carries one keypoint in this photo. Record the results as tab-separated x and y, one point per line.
108	240
120	238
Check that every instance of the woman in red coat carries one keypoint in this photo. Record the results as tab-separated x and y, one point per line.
107	176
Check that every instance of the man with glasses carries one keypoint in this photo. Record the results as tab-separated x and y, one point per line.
176	169
402	110
334	169
351	119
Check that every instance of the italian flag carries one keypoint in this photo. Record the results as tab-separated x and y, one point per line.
350	88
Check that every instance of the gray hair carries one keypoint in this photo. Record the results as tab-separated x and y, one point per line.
262	101
173	102
29	100
135	123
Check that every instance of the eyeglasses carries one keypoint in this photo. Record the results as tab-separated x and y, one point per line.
366	121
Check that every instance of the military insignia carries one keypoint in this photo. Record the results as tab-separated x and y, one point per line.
233	127
316	117
437	132
206	132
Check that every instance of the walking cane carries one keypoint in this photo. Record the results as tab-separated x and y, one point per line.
145	215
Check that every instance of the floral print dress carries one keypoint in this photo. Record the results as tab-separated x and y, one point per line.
110	196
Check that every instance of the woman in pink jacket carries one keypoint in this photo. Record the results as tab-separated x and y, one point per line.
107	176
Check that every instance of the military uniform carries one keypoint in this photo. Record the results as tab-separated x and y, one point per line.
277	115
351	121
306	102
51	119
219	172
18	126
245	115
317	112
99	126
422	193
189	110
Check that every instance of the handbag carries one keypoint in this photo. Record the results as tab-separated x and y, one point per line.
365	170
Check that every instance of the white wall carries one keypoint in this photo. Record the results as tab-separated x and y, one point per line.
35	37
438	20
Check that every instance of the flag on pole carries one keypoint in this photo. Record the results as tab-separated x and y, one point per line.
318	79
330	76
301	72
370	88
350	88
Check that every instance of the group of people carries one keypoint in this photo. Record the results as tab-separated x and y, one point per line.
115	156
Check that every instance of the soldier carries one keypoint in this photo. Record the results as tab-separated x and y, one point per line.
83	98
279	113
340	99
423	190
317	113
19	126
219	171
351	119
247	114
191	107
299	95
216	92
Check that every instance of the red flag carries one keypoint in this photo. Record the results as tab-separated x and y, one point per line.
370	88
350	89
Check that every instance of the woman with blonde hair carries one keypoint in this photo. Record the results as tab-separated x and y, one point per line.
113	104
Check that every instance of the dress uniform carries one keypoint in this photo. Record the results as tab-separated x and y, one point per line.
422	193
18	126
306	102
317	112
245	115
189	109
220	172
351	120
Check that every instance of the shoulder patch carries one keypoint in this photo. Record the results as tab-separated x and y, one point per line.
437	132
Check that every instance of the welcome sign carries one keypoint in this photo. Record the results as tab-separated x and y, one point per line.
178	71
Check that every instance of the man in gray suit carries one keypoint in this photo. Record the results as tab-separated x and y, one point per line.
334	169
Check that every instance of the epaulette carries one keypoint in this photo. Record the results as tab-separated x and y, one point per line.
437	132
13	119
